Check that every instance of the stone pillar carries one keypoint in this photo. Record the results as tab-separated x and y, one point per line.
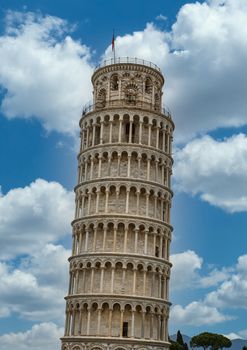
149	134
120	130
98	321
110	133
102	278
140	132
101	131
157	136
100	165
132	324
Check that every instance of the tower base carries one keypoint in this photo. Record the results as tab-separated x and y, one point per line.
104	343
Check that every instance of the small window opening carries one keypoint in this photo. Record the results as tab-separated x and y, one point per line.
114	83
148	86
133	133
157	251
127	131
125	329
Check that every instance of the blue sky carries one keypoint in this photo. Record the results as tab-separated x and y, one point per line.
47	54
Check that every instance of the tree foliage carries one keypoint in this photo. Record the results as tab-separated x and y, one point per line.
175	345
180	338
210	340
179	344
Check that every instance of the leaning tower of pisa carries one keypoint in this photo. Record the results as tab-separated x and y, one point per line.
119	268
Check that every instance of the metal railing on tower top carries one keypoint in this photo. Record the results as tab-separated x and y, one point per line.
90	107
133	60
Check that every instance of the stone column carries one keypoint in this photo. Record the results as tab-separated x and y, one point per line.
146	242
70	283
149	134
121	322
86	241
164	148
110	323
114	238
132	323
139	166
140	132
154	244
80	322
134	282
94	238
161	245
104	238
144	282
147	203
92	278
120	130
148	168
93	142
100	165
125	239
97	201
102	278
89	203
157	137
156	178
68	324
128	168
112	278
83	280
106	200
101	131
98	322
86	166
127	200
91	169
88	321
130	132
136	240
87	132
143	324
137	202
123	279
73	323
110	132
109	166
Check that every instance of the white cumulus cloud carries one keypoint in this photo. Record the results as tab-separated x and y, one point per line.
232	292
44	71
33	216
196	314
35	288
203	59
185	269
40	336
215	170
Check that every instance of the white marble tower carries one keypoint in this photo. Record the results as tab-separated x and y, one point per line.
119	268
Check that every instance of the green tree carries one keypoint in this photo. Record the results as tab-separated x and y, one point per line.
175	345
220	342
186	346
200	340
180	338
244	347
181	341
210	340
